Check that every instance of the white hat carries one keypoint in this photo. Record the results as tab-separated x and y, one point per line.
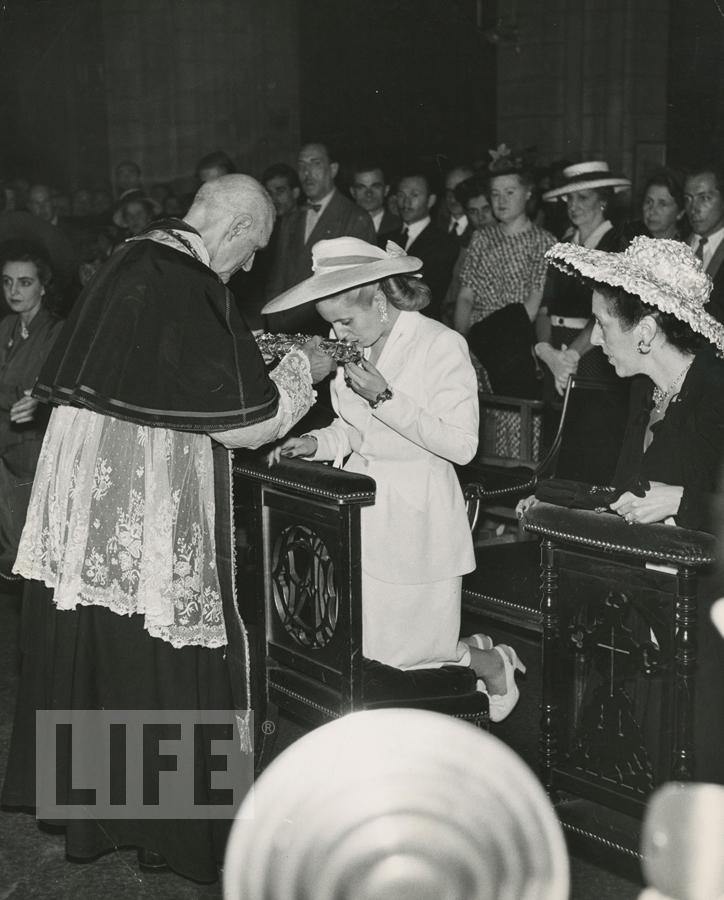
343	263
586	176
663	273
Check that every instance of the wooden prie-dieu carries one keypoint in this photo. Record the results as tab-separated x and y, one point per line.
619	610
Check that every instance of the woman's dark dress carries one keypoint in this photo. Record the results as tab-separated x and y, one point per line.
20	362
687	449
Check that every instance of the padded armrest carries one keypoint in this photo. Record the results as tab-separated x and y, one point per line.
310	478
607	531
490	483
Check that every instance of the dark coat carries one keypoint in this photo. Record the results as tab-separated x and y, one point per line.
293	258
438	252
687	447
389	225
715	269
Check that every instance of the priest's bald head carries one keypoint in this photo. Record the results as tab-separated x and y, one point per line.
234	216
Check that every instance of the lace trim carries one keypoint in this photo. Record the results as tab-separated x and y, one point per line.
122	516
293	377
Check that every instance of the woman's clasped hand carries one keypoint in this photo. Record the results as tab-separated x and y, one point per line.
365	380
660	502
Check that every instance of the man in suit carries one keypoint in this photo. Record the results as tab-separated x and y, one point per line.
369	189
454	219
326	214
419	237
282	184
704	198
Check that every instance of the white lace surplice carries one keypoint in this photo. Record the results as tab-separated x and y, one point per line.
122	515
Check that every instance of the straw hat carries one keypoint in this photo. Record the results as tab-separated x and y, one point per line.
585	176
665	274
341	264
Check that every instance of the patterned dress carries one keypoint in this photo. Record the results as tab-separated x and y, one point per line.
501	269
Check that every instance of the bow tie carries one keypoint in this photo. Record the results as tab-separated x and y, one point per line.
315	207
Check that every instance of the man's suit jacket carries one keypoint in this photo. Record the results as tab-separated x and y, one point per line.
389	225
438	252
293	257
715	269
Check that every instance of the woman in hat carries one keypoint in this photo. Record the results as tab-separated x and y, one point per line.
650	321
404	415
564	323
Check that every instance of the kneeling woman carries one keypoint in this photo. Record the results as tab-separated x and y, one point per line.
404	415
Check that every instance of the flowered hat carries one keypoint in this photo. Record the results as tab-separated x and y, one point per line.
341	264
586	176
665	274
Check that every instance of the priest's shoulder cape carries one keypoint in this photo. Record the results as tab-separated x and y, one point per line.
155	339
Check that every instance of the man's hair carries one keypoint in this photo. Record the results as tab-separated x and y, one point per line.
424	174
216	160
230	192
369	165
332	155
709	167
475	186
281	170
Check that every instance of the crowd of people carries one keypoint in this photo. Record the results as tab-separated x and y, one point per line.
126	542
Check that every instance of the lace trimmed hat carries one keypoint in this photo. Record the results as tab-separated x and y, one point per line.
341	264
664	274
586	176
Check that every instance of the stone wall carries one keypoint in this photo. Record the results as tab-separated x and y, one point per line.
184	79
586	79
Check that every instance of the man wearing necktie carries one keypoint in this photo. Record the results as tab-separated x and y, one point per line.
369	190
326	213
457	225
705	209
423	239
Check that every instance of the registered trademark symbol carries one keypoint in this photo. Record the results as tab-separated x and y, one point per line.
268	727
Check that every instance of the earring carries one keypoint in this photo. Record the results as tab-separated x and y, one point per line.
381	304
643	348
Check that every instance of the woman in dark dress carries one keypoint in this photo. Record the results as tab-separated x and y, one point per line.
26	336
650	321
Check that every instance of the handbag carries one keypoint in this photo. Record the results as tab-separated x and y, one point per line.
580	495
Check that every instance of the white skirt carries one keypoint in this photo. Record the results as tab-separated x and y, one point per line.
413	626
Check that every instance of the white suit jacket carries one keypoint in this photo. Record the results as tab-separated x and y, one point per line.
417	531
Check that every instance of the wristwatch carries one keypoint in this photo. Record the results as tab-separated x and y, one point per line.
381	397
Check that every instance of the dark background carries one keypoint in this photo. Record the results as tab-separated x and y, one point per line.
396	78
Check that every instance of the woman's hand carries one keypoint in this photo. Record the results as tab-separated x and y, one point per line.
659	502
320	363
563	363
365	379
306	445
23	410
525	504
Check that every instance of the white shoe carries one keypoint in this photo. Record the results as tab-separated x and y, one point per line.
501	705
481	641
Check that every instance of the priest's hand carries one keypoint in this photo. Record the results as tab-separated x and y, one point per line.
320	363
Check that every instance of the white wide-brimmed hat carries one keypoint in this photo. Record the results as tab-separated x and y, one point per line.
341	264
586	176
664	274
